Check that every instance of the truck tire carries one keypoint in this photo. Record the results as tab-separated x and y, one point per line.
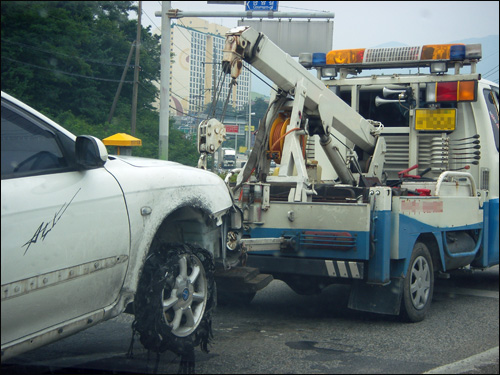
418	285
175	299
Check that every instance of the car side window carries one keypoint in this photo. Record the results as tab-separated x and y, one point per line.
28	148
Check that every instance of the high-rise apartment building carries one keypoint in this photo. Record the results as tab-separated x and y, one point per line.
196	69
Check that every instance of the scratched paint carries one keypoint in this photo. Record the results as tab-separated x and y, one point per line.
47	226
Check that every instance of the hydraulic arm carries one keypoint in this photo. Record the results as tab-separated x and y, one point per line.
314	109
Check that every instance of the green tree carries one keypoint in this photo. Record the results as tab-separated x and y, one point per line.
60	56
66	58
259	107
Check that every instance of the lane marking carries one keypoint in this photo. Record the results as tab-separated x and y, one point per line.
468	365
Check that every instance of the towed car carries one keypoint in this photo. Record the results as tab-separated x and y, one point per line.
86	234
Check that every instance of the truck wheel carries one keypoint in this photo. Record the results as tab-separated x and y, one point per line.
418	285
175	299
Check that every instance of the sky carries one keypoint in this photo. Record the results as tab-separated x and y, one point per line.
365	24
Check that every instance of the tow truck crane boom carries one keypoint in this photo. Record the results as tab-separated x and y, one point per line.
291	77
315	108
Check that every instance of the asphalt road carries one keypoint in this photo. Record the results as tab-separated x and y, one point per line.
282	332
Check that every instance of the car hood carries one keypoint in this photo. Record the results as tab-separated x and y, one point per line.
136	172
142	176
145	162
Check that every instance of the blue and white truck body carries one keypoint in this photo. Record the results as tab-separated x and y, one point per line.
383	181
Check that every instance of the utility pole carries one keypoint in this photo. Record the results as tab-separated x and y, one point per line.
166	15
164	80
117	95
136	69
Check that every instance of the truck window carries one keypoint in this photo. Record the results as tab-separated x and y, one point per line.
492	104
390	113
388	110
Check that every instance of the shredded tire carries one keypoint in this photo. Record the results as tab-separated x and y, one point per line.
173	312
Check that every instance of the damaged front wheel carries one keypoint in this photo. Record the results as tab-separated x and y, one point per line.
175	299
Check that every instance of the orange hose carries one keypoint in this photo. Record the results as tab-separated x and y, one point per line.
277	136
282	137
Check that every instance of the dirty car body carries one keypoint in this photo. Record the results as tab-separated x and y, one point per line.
79	225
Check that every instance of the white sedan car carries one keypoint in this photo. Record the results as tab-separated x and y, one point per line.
85	234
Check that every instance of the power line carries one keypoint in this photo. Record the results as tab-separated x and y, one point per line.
491	74
175	94
491	70
309	10
180	25
63	72
62	54
492	54
89	26
143	12
190	30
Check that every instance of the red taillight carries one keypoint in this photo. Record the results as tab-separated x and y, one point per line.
447	92
461	91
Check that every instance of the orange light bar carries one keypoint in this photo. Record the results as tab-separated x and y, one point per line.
436	51
427	55
345	56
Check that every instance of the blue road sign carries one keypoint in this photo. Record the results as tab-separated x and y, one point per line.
261	5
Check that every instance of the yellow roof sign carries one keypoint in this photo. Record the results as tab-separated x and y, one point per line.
122	139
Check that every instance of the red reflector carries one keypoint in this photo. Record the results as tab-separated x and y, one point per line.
446	92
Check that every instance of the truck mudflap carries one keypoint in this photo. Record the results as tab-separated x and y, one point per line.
380	299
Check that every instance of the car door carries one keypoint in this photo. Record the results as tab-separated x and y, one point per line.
65	232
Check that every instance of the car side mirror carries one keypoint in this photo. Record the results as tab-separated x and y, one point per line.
90	152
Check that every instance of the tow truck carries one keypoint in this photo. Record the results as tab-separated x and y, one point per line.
384	182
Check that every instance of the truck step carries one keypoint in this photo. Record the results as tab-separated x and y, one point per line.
238	273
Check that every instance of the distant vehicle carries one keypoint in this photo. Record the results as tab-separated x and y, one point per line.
85	234
228	158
